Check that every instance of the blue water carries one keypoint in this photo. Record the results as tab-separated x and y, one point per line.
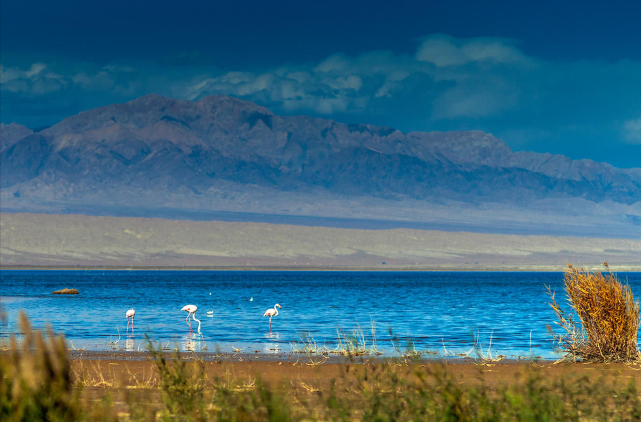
434	311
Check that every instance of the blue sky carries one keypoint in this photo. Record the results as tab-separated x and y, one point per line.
561	77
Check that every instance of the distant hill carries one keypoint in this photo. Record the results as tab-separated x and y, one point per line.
224	154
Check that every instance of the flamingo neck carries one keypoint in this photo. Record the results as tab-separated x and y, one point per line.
275	311
194	317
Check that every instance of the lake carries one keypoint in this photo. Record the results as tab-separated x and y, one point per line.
435	311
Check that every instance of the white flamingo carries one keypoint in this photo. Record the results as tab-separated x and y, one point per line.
271	313
191	312
130	315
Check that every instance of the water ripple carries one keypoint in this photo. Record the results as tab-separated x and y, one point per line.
430	310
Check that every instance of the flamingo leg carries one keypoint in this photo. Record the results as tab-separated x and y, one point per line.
132	326
270	324
127	325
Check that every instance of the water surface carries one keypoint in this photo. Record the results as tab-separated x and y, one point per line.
434	311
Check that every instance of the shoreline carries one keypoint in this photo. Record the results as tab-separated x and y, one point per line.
296	357
508	269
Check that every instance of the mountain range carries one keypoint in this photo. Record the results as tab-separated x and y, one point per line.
225	154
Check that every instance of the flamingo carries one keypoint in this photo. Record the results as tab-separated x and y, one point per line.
130	315
191	312
271	313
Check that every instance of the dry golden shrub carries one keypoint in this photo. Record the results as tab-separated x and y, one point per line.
608	318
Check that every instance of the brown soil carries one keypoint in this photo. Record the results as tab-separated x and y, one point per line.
123	375
128	373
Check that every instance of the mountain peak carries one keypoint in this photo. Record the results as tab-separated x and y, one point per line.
12	133
151	101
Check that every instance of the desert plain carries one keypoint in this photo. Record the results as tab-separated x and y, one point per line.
29	240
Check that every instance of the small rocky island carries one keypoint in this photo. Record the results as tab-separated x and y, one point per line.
66	291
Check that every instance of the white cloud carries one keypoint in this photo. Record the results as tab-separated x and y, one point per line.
35	70
34	81
477	95
479	72
445	81
38	80
442	50
296	89
337	62
339	83
117	68
97	82
632	131
461	104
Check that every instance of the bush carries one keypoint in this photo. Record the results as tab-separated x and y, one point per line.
608	318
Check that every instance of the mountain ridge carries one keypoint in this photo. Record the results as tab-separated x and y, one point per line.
503	155
219	146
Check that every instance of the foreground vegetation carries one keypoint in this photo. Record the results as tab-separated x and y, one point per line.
37	383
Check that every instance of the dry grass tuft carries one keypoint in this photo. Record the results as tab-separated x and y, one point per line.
608	318
145	381
94	376
307	344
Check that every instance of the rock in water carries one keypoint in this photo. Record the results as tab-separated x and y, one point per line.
66	292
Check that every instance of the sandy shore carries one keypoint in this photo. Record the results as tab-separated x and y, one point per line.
126	370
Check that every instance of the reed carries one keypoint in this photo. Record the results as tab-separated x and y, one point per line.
348	343
351	343
406	350
485	357
355	342
603	323
306	344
